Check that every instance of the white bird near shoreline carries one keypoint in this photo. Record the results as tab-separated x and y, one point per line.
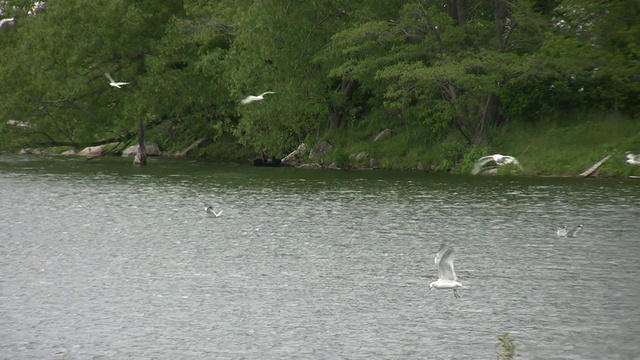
499	159
633	159
251	98
210	210
6	21
113	82
447	278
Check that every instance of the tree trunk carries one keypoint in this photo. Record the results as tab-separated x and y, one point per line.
141	156
338	115
503	29
458	10
487	115
475	132
336	118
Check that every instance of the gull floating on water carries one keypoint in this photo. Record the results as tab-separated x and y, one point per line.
249	99
574	231
113	82
447	278
633	159
500	160
563	231
209	210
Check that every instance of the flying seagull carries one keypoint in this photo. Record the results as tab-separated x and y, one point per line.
633	159
447	278
113	82
249	99
500	160
209	210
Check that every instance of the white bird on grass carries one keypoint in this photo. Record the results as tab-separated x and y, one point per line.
500	160
113	82
447	278
249	99
6	21
633	159
209	210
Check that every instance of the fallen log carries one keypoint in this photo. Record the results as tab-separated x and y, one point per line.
594	168
194	145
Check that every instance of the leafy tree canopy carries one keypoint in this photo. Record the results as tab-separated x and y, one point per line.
452	67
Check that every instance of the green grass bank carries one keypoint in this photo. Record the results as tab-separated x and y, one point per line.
565	145
562	146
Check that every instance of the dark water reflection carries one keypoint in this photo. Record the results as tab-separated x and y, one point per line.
103	260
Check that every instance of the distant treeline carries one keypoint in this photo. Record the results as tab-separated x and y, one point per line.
439	68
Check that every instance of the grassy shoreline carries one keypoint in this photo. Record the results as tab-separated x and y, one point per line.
561	147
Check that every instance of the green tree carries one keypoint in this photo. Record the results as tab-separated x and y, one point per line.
185	95
54	72
273	51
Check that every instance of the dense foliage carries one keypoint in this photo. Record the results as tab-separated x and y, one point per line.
439	68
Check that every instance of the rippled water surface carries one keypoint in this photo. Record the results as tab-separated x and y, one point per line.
99	259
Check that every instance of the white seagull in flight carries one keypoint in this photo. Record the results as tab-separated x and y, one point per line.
633	159
249	99
447	278
209	210
500	160
113	82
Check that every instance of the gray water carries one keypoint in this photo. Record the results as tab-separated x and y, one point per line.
101	260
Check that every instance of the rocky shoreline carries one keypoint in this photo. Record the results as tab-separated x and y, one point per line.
302	157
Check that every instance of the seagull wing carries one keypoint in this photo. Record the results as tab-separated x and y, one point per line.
217	214
480	163
445	265
249	99
267	92
511	159
121	83
110	78
438	256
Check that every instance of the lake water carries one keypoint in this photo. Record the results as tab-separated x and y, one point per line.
102	260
